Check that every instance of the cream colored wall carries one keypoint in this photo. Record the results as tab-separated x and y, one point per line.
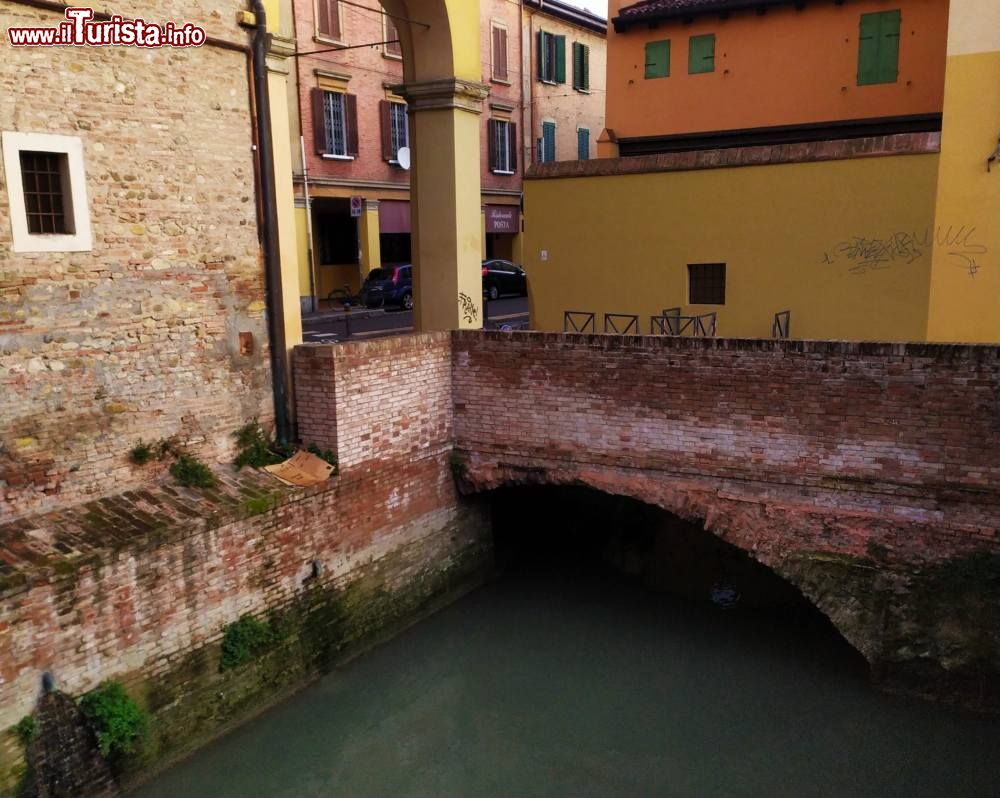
796	237
965	299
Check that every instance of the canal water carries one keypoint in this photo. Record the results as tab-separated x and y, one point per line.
572	682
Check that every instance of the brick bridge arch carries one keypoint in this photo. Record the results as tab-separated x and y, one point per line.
752	528
867	475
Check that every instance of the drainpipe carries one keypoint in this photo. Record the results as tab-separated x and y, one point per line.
269	226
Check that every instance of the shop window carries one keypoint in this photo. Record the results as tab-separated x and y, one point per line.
395	129
878	48
658	59
499	44
701	54
707	283
335	123
392	46
47	193
328	20
583	143
581	67
502	136
551	58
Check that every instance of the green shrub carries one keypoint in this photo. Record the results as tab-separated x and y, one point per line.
26	730
116	718
244	640
257	449
325	454
190	472
141	454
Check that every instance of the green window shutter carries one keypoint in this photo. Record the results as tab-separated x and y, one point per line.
701	54
548	141
585	56
583	143
577	65
888	60
541	55
560	59
878	48
658	59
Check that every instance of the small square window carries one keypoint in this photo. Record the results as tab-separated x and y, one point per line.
47	193
657	59
707	283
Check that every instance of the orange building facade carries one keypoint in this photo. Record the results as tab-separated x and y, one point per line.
772	71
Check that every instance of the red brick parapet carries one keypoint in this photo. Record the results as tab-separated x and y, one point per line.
802	152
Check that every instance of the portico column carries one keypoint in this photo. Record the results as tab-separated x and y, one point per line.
445	202
371	249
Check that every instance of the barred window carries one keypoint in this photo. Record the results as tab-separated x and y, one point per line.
707	283
336	123
400	128
44	177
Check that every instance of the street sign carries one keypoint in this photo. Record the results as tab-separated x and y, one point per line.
356	205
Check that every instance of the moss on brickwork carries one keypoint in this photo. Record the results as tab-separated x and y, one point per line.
328	624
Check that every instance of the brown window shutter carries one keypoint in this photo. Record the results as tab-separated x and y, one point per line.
329	18
512	131
503	53
385	113
491	138
319	122
351	114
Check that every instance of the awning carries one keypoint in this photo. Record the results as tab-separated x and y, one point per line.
393	216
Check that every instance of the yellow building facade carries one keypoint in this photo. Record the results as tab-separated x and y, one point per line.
886	237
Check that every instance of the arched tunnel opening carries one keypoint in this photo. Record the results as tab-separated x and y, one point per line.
578	534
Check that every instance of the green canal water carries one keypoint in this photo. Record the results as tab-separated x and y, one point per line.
570	682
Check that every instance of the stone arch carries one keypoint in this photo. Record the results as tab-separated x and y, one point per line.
440	40
832	585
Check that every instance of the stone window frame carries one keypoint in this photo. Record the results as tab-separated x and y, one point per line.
81	239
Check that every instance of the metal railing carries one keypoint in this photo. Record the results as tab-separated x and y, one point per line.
579	321
621	323
782	326
705	325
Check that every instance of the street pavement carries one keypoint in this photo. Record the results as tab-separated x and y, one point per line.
330	327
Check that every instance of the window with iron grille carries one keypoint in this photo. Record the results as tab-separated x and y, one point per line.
399	127
502	146
336	123
44	180
707	283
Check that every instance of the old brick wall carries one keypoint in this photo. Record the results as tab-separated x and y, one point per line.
138	338
905	432
372	400
867	475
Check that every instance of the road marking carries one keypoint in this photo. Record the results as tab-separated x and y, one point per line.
321	335
387	331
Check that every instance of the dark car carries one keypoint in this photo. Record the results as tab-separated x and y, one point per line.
391	286
503	277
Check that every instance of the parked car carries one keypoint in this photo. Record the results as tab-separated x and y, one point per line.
503	277
391	286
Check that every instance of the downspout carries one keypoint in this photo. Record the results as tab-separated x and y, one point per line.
269	226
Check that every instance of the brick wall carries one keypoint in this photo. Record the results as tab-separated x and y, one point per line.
370	400
905	434
138	338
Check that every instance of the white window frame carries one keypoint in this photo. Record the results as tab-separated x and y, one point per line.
319	35
341	156
81	239
397	108
502	132
385	37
